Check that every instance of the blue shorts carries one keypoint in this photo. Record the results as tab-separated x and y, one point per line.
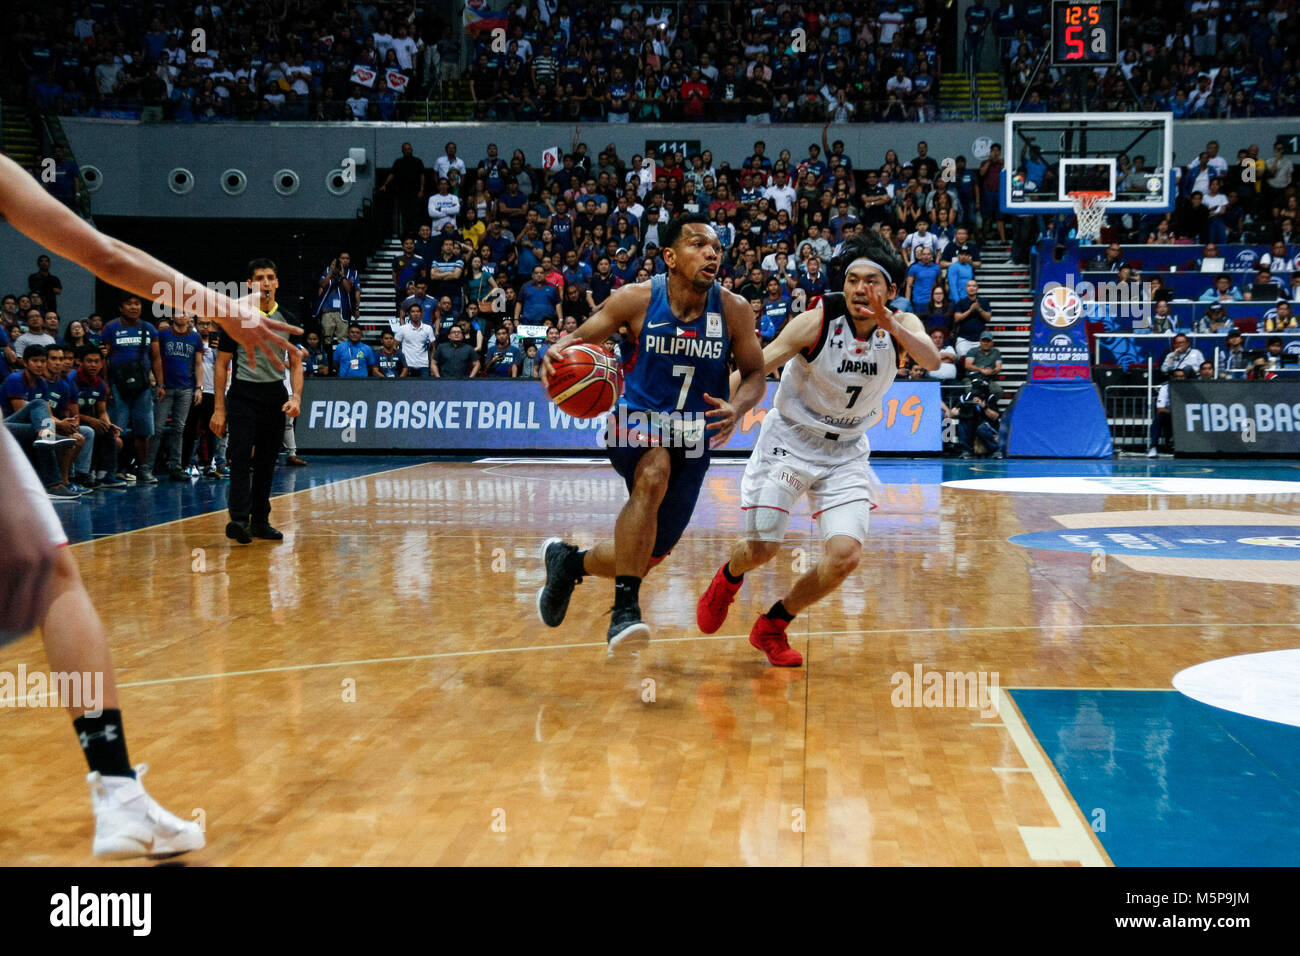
684	483
133	415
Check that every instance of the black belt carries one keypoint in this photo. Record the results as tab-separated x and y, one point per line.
832	436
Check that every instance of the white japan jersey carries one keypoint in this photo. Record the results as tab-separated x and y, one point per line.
838	385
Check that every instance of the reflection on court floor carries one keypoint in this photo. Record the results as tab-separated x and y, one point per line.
377	690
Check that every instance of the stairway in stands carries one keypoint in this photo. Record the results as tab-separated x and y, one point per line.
1011	300
954	97
377	300
18	137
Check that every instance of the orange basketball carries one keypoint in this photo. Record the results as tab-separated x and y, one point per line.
586	382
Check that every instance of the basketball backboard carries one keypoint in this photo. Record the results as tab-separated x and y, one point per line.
1048	155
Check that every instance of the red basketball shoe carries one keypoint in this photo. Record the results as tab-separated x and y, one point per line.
769	637
711	610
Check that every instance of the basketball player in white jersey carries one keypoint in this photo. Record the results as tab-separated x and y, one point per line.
39	580
840	358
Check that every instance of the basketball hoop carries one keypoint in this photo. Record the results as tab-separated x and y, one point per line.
1090	212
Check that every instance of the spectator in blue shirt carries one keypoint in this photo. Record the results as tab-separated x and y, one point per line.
538	301
1222	291
575	271
178	370
132	344
503	359
921	277
353	358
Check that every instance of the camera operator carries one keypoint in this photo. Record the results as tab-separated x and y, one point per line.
978	417
340	298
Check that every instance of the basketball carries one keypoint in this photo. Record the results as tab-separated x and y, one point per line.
586	382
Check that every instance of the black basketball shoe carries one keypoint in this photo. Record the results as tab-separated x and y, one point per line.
626	630
553	596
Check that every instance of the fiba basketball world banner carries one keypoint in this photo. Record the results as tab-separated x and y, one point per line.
1059	412
1058	348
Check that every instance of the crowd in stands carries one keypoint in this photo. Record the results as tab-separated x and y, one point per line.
100	404
1203	59
521	254
274	59
302	59
623	62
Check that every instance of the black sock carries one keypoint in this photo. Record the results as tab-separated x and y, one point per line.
779	613
574	564
731	579
104	742
627	591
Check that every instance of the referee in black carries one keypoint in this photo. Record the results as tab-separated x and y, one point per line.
254	412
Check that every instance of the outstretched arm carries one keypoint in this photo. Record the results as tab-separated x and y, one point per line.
41	217
625	306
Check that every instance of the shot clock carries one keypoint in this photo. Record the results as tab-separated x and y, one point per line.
1085	34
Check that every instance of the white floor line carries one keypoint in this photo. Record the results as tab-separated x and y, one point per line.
1070	840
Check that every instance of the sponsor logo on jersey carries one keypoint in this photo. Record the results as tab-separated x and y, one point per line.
714	325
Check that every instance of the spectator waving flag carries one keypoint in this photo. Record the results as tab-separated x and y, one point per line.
396	80
479	18
551	158
363	75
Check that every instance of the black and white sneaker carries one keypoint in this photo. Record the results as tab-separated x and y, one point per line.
553	596
627	632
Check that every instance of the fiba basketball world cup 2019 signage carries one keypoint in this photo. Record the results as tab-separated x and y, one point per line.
1058	349
1058	413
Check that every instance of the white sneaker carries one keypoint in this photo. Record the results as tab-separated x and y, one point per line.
130	823
1153	452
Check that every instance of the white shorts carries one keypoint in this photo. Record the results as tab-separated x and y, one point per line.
21	489
790	461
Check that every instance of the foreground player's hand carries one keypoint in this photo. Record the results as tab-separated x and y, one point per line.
878	310
548	357
255	331
292	407
725	413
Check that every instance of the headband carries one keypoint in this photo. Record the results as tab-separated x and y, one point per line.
864	261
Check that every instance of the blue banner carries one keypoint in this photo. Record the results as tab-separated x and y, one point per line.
431	415
1128	350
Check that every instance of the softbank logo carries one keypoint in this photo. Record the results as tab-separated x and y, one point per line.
134	910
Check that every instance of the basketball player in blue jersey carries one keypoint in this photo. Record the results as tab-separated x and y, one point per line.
684	325
40	584
840	358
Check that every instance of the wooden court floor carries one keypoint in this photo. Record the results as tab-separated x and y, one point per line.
378	690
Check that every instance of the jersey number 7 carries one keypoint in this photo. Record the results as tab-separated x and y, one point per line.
689	372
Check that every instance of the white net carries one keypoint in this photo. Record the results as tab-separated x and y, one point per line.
1090	212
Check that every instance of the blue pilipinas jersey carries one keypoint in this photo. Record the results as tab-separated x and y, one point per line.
677	362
